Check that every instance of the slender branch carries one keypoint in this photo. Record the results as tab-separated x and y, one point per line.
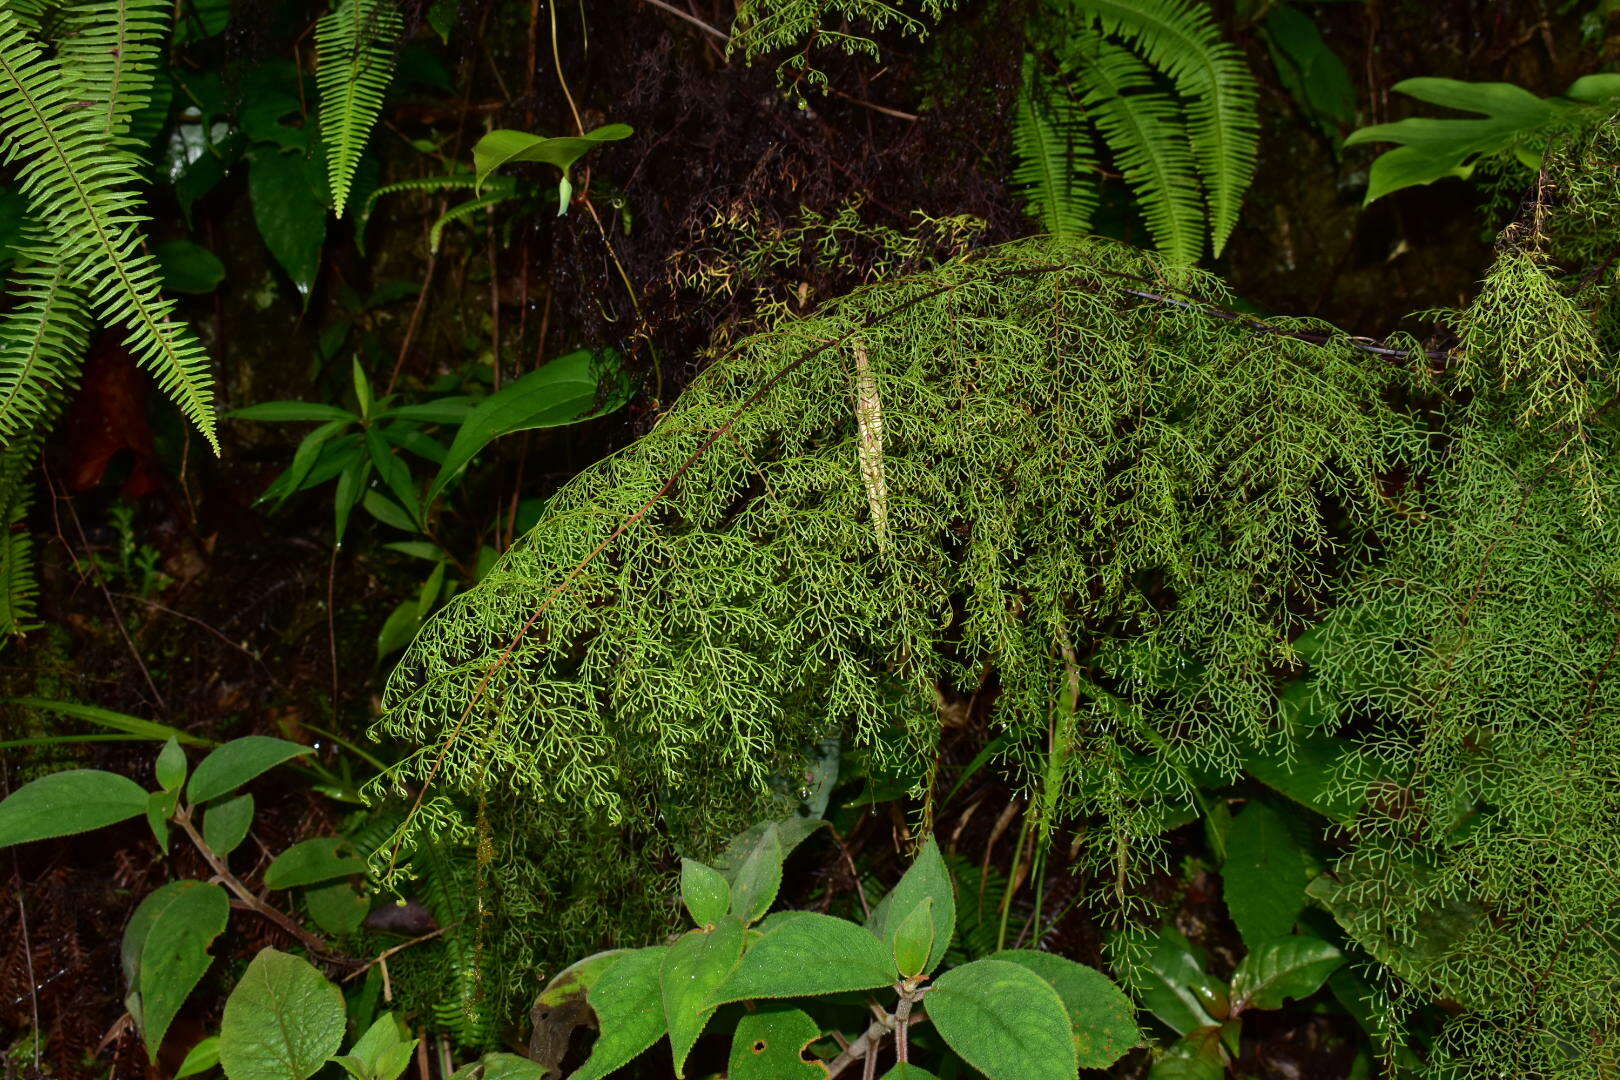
865	1048
316	945
693	19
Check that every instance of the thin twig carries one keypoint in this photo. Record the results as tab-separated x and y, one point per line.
693	19
382	957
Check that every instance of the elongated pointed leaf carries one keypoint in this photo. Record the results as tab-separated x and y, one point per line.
808	954
69	802
174	954
629	1004
237	762
1004	1020
1291	966
691	971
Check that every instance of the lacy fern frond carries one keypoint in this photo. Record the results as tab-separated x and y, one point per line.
1178	38
765	27
1144	130
111	49
81	190
1056	168
1065	459
17	585
354	62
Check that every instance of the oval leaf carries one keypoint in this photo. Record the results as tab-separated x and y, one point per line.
1265	874
1291	966
321	858
926	880
1101	1017
913	940
1004	1020
282	1022
226	824
704	892
808	954
174	954
64	803
237	762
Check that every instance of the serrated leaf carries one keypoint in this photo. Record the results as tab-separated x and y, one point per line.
317	859
238	761
174	953
759	878
336	908
226	824
629	1004
1101	1018
925	881
282	1022
1291	966
64	803
692	969
807	955
704	892
1004	1020
770	1044
1264	877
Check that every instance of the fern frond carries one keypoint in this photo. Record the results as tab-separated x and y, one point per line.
1143	128
1055	160
80	189
111	50
17	586
354	48
460	212
1179	39
42	340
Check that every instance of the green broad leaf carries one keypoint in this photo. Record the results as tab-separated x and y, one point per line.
759	878
1306	772
417	549
808	955
199	1059
174	952
1310	70
565	391
629	1004
693	968
399	628
785	833
304	470
170	769
114	721
188	267
282	1022
913	940
292	412
1593	89
160	807
64	803
447	410
1431	148
925	881
1197	1055
1101	1018
237	762
350	486
770	1044
907	1071
396	474
225	825
1291	966
428	598
562	1008
504	146
387	511
288	192
705	892
382	1053
499	1066
1004	1020
1173	985
317	859
336	908
1265	873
